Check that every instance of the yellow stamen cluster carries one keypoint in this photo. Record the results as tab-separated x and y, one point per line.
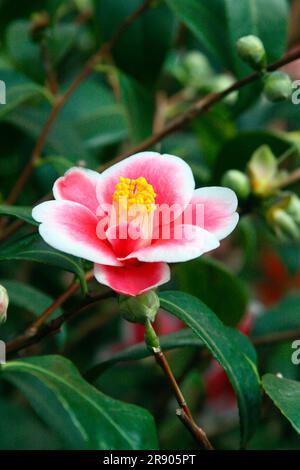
134	192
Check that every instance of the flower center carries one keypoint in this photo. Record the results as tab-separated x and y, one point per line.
138	192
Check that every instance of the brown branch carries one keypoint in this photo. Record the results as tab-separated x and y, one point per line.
199	107
61	100
292	178
46	330
184	412
197	432
277	337
51	78
37	324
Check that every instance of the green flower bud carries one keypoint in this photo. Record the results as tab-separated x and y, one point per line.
283	224
238	182
4	301
197	70
220	83
263	172
140	308
294	208
277	86
251	50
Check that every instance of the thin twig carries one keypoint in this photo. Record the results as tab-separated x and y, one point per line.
60	101
194	429
37	324
54	326
184	412
51	78
277	337
291	178
163	363
199	107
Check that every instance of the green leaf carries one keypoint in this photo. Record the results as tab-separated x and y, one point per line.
24	52
240	370
22	213
63	138
96	115
286	396
19	90
285	316
59	163
27	297
213	129
138	101
180	339
85	417
33	248
196	278
144	45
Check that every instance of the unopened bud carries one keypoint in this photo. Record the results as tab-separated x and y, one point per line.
140	308
277	86
294	208
4	301
283	224
263	172
251	50
238	182
40	22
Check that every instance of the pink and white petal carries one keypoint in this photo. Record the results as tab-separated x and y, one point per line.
126	238
170	176
71	228
188	242
214	209
133	279
78	185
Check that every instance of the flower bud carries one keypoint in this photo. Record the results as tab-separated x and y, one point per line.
283	224
196	70
140	308
238	182
277	86
4	301
263	172
294	208
251	50
220	83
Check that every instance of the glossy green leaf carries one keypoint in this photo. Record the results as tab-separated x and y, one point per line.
180	339
81	414
28	297
22	213
143	47
33	248
196	278
19	90
284	316
138	101
286	396
24	52
240	370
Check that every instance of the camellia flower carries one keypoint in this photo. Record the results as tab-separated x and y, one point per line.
134	218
